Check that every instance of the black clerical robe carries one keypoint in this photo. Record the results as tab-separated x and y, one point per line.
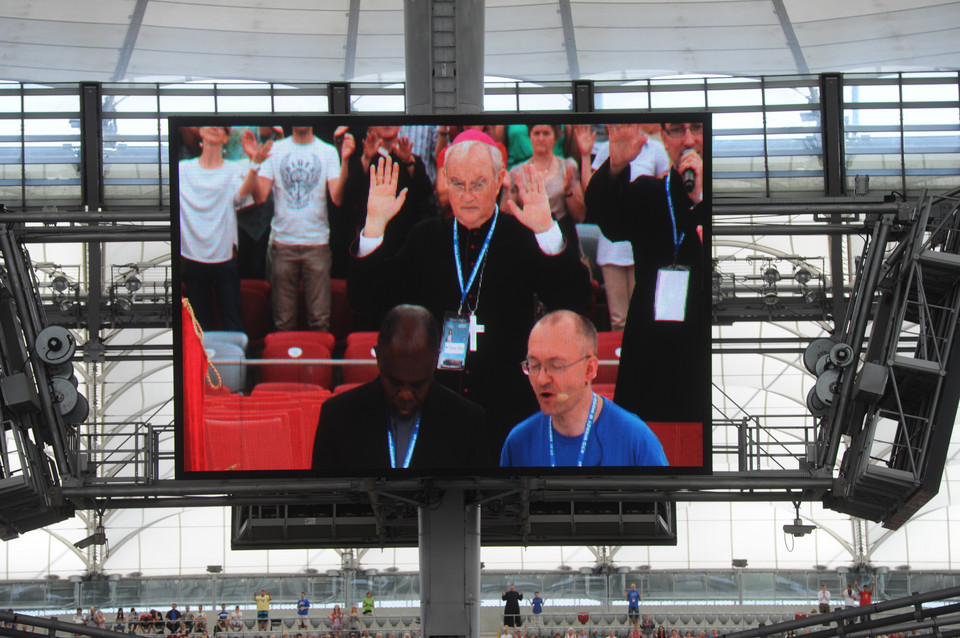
664	365
352	433
515	276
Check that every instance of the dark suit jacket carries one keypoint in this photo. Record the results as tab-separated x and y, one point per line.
352	433
516	276
659	358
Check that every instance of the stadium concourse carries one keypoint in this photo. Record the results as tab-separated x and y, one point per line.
765	69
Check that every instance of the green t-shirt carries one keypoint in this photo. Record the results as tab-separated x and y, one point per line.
519	148
368	604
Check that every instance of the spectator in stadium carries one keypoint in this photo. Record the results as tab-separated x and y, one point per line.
133	620
665	224
487	270
866	597
189	618
615	259
633	605
303	608
403	417
236	619
560	178
647	626
536	604
300	172
823	599
575	426
211	190
353	620
173	617
146	622
423	144
368	604
200	621
223	620
253	220
336	620
119	620
511	610
263	608
383	142
520	147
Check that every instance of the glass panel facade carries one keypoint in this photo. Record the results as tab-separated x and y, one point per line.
900	130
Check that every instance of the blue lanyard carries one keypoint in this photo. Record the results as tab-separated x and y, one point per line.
583	442
476	267
673	220
410	446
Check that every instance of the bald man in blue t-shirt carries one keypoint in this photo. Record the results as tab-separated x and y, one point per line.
575	427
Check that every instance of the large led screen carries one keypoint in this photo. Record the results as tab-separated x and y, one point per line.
398	296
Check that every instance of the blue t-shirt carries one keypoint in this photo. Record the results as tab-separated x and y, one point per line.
618	438
537	603
303	606
633	597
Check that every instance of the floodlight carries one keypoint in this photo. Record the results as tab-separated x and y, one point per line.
771	275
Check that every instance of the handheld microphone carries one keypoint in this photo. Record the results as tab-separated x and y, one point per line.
689	175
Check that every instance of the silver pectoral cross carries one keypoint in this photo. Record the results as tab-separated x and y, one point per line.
475	329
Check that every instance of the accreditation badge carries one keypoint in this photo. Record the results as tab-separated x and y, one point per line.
670	302
453	345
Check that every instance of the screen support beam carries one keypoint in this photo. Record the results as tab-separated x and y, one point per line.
450	566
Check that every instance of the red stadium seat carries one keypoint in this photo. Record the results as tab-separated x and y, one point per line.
295	337
289	388
608	348
267	443
369	338
223	440
359	373
317	374
257	311
301	413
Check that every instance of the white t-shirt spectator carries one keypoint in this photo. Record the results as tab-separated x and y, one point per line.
850	598
300	173
209	198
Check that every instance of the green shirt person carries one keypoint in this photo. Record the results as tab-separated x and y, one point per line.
368	604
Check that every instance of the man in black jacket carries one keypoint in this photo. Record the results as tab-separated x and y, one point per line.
664	373
403	418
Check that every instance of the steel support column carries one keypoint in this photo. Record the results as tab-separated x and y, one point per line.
444	55
834	175
450	567
91	170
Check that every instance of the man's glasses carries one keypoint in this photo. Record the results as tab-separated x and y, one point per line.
474	188
679	130
552	367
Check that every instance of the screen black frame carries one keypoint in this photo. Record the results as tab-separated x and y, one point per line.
363	120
